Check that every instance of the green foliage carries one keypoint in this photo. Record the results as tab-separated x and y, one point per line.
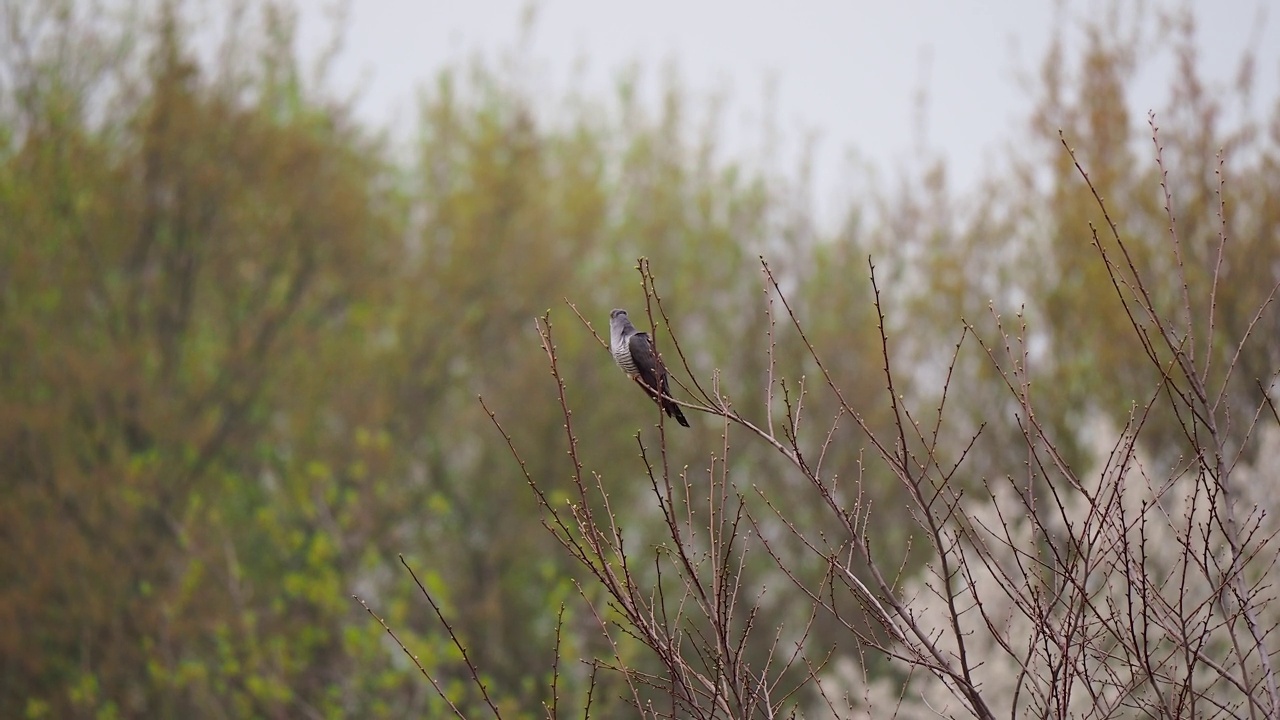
179	275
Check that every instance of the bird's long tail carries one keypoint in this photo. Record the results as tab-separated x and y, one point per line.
665	402
673	410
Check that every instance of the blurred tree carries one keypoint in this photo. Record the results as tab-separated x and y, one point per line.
1023	244
183	259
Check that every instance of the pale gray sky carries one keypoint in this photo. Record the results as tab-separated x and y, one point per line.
851	71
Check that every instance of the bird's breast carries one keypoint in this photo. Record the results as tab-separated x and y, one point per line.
622	356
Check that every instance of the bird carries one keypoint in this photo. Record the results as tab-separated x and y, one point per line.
634	352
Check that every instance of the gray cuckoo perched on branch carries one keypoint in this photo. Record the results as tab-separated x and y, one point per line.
635	354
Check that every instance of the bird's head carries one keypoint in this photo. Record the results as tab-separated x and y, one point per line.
618	325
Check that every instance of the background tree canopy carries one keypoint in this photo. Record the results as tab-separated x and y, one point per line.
242	336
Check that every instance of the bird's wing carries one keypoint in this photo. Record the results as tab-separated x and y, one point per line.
653	375
650	369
